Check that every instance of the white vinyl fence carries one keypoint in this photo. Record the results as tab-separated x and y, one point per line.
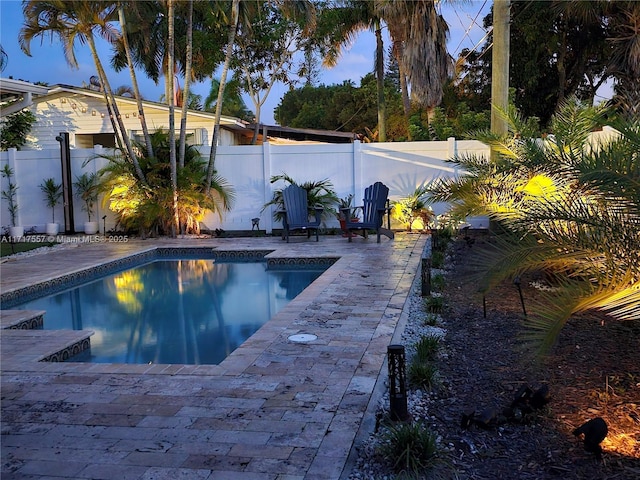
350	167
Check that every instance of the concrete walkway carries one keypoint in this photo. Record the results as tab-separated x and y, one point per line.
273	409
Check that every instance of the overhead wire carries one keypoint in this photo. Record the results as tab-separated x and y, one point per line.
468	29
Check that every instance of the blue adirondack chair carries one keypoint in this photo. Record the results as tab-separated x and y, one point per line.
375	206
296	212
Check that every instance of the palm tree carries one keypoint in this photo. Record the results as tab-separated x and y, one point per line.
147	33
4	59
134	81
187	79
232	102
338	27
565	207
150	210
422	34
233	27
318	193
172	131
78	20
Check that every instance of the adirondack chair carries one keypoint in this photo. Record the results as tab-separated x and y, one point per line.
375	206
296	212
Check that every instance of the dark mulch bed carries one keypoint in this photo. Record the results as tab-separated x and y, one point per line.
593	371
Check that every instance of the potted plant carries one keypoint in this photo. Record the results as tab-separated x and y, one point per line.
52	194
347	203
10	195
87	190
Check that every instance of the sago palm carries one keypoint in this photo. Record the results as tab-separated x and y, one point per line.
565	206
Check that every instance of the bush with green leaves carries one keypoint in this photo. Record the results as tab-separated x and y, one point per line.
434	304
567	205
431	319
15	128
52	194
422	375
11	193
427	348
437	259
318	193
148	209
409	447
438	282
413	207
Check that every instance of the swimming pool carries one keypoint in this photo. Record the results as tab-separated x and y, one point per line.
174	310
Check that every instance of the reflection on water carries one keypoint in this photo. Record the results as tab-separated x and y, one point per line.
173	311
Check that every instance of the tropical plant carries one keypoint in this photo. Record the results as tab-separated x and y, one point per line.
434	304
344	203
87	191
15	128
412	207
409	447
318	193
148	209
78	20
10	193
427	348
52	194
564	206
422	374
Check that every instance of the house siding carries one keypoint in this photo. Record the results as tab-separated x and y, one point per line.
56	113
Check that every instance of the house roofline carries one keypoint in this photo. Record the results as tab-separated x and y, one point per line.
61	88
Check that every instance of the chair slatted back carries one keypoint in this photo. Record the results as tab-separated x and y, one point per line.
374	204
295	204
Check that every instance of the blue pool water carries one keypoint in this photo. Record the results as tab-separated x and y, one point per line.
173	311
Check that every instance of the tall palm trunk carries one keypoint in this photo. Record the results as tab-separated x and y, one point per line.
175	228
235	6
134	80
382	106
115	112
187	81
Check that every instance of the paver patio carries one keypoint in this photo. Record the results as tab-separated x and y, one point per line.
273	409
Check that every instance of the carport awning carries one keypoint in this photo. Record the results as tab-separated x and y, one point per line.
17	94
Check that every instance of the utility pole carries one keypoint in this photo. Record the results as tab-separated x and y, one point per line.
500	69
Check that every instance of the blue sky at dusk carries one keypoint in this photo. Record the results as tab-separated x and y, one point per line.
48	64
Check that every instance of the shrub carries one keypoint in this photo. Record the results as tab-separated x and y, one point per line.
410	447
437	259
437	282
422	374
431	320
434	304
427	347
15	128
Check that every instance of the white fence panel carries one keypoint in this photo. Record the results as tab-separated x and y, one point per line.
248	169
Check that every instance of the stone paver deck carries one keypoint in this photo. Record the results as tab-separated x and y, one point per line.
272	410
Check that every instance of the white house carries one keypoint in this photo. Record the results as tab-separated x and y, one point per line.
83	114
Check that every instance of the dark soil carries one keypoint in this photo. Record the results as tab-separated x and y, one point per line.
593	371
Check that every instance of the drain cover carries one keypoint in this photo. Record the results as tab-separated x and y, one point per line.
302	338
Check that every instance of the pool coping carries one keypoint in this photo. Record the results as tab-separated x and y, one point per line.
16	296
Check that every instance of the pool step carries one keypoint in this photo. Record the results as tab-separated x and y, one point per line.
24	340
22	346
22	319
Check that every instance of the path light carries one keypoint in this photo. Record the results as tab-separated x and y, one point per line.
397	383
516	282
